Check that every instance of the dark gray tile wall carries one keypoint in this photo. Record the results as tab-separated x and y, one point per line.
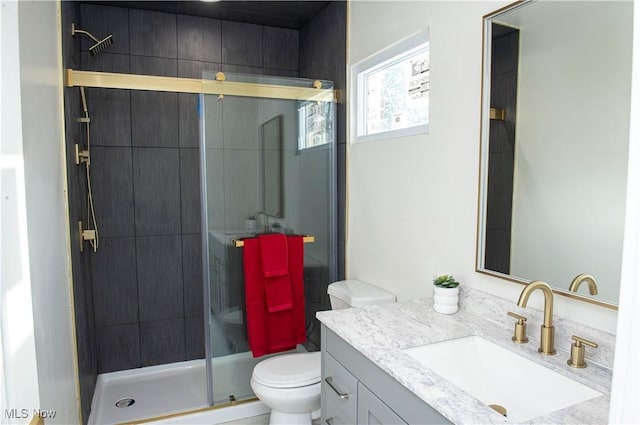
154	119
153	33
112	172
162	341
156	179
160	287
277	45
242	44
322	44
323	55
118	347
190	190
114	280
504	80
199	39
86	341
143	288
193	331
192	276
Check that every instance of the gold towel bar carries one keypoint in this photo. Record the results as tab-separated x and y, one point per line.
239	243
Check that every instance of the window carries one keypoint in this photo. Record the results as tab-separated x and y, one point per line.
392	91
315	124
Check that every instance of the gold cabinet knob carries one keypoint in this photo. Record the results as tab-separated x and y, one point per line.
520	328
577	352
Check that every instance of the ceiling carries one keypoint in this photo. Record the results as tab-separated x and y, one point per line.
284	14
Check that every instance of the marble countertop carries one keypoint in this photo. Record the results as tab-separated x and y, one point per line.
226	236
380	332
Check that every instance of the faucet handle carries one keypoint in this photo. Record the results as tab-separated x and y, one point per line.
577	351
520	329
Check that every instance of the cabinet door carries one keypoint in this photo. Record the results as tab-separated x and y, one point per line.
372	411
335	415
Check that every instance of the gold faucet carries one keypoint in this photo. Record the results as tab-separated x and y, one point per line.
575	283
547	332
577	352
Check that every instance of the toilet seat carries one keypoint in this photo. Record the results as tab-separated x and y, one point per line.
289	370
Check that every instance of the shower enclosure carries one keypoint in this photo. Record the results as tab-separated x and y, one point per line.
267	165
139	298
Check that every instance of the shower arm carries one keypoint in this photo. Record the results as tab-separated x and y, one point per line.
74	30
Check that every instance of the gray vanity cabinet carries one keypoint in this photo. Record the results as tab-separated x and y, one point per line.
339	390
226	276
372	411
355	391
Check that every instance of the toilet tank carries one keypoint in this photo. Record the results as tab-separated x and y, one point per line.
354	293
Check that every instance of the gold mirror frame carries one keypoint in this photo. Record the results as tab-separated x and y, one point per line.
486	114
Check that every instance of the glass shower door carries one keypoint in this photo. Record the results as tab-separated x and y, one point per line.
268	165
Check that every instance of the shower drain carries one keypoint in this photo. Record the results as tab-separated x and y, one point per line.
125	402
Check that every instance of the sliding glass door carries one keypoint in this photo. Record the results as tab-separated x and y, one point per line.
267	165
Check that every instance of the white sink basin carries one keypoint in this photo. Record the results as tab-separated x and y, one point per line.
495	375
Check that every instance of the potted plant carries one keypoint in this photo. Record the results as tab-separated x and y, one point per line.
445	294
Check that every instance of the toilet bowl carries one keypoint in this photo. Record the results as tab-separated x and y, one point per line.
290	383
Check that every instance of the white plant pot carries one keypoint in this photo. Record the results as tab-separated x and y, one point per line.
250	224
445	300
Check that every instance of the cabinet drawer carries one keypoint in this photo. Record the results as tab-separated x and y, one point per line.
339	387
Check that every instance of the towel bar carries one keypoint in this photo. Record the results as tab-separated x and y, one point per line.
239	243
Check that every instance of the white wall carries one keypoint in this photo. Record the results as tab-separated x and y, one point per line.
42	242
232	136
573	183
232	131
413	201
19	377
626	373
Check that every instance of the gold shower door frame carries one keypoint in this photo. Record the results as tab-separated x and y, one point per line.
109	80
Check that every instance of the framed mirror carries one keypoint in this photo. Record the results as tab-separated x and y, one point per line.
271	181
554	143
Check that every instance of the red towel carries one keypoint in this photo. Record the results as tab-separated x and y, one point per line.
275	267
277	331
273	248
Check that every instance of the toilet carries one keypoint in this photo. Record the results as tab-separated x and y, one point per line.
290	383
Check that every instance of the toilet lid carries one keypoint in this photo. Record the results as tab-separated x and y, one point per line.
289	370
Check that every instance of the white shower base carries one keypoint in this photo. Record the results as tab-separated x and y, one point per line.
173	388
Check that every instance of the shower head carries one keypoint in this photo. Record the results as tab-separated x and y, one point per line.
99	45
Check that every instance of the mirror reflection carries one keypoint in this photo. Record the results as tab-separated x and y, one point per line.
556	93
271	156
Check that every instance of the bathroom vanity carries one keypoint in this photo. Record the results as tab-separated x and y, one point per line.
353	390
368	378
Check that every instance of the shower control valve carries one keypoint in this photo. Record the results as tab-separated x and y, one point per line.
82	156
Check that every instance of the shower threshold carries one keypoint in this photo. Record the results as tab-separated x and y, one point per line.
162	391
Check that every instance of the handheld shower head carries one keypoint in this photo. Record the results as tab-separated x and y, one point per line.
99	45
84	101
